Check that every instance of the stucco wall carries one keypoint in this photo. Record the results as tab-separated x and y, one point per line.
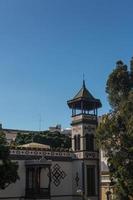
61	173
16	189
63	186
77	176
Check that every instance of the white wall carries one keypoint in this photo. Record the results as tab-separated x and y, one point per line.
65	186
16	189
76	168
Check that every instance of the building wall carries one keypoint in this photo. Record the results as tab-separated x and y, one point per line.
77	178
61	184
15	190
104	189
61	174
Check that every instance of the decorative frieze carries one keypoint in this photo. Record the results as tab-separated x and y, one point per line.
39	153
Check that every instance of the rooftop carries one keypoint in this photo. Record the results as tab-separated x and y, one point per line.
85	97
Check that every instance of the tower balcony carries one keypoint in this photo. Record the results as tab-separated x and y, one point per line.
82	118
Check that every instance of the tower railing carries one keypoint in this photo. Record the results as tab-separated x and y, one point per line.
84	116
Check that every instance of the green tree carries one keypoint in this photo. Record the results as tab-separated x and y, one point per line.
118	84
54	139
115	131
8	169
23	138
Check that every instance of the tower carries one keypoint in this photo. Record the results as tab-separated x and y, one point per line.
84	122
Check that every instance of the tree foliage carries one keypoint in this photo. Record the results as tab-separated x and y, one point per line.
54	139
118	84
115	131
8	169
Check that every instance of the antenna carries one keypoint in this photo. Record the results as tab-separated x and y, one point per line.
40	122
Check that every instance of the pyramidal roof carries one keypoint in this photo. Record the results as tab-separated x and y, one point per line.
84	93
85	98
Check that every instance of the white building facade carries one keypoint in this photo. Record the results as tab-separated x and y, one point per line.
68	175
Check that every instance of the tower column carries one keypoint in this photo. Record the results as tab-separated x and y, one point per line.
84	123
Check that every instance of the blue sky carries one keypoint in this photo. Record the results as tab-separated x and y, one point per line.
47	45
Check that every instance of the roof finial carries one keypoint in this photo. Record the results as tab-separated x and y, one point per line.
83	80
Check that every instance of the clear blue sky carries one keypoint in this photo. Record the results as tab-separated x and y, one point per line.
47	45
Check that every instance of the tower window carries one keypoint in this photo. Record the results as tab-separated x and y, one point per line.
89	142
91	184
77	142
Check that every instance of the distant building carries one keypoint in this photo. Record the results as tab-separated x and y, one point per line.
12	133
67	131
56	128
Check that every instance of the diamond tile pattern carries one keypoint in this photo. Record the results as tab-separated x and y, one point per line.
57	175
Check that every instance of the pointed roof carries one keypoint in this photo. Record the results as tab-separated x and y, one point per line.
84	93
89	102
